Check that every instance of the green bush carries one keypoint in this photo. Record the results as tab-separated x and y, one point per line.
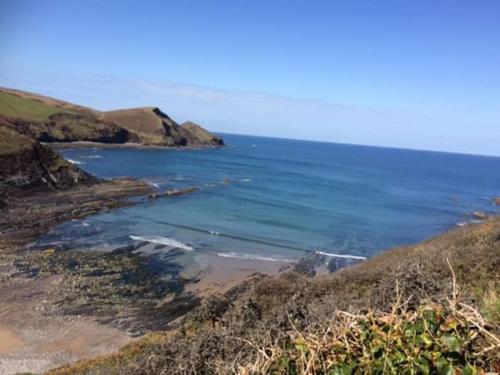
432	340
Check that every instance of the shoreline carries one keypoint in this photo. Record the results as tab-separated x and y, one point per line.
64	305
127	145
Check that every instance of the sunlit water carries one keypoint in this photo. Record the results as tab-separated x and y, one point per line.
277	199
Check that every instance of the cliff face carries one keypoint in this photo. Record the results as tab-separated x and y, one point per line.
202	135
74	127
25	164
51	120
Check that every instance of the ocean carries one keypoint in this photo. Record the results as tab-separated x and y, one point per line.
277	199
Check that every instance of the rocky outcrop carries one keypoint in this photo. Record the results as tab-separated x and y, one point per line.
479	215
173	193
202	135
25	165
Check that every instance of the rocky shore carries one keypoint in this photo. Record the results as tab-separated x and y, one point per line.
110	297
50	294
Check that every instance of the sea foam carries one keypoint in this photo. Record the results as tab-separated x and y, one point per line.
340	255
253	257
163	241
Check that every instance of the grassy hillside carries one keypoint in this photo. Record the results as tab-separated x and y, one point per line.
14	106
429	308
53	102
51	120
154	127
142	121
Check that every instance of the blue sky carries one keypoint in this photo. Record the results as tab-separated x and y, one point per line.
406	73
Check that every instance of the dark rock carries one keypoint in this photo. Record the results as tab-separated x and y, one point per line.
25	164
479	215
173	193
307	265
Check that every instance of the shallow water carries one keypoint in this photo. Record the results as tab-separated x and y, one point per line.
275	199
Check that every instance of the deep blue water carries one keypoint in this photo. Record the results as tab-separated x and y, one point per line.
307	195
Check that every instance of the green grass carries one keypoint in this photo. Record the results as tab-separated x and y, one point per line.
26	109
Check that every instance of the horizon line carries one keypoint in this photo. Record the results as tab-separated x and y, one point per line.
358	144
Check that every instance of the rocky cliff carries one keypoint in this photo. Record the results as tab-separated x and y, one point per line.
201	134
25	165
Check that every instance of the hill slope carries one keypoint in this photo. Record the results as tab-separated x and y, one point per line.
153	127
51	120
243	330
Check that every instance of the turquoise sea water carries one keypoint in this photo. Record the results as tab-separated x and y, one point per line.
276	198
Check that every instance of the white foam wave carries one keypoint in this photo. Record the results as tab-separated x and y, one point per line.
215	233
245	179
473	221
163	241
91	157
340	255
74	161
254	257
86	224
154	184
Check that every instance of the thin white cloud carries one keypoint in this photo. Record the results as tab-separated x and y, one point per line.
271	115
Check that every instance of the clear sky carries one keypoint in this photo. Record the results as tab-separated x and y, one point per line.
404	73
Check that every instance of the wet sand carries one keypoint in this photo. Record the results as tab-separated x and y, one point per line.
219	274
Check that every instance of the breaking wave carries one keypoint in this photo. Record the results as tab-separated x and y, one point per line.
347	256
163	241
253	257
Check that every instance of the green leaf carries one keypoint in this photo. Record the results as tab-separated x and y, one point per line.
430	316
398	356
469	370
423	367
444	367
427	339
343	369
451	343
419	327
